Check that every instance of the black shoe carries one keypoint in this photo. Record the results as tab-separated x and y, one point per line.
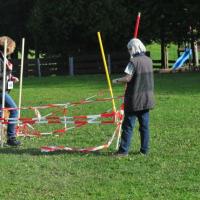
13	142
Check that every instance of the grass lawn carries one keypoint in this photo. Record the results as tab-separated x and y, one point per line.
155	51
170	171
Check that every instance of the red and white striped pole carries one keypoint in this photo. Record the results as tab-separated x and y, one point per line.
137	25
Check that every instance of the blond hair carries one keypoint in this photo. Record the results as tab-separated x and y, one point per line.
10	44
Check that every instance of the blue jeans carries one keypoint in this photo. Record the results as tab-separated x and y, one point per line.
127	130
9	103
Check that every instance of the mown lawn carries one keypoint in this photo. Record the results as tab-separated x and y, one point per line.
155	51
170	171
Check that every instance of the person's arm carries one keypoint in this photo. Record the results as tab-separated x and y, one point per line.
14	79
124	79
130	69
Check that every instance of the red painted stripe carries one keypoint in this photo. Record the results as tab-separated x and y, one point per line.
108	122
106	115
80	117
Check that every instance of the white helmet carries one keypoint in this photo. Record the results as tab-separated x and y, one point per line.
135	46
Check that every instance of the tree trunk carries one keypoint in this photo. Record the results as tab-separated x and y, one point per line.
164	54
164	57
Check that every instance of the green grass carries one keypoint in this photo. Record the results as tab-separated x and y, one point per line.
170	171
155	51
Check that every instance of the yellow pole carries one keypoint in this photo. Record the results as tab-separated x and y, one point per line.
106	69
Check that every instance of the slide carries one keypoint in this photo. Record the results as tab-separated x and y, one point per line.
181	60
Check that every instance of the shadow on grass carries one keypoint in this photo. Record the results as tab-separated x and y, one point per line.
20	151
38	152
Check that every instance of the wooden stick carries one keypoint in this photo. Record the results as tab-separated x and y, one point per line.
106	69
137	25
21	78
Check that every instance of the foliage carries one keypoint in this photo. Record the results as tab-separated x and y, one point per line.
174	17
72	25
14	19
64	27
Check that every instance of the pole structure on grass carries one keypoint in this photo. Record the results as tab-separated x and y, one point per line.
106	70
3	90
21	78
135	35
137	23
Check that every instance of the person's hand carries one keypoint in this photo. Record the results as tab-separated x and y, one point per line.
15	79
115	81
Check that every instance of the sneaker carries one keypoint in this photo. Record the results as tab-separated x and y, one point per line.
13	142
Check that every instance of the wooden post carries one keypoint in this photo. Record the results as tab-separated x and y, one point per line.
196	54
39	67
109	64
166	58
21	78
71	66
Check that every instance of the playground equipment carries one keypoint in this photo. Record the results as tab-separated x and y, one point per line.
182	59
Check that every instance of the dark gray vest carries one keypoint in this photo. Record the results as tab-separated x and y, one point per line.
139	93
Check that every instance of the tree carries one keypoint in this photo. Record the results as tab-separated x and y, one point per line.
14	16
69	27
169	21
72	25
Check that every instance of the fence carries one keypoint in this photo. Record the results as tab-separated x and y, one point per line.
76	65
